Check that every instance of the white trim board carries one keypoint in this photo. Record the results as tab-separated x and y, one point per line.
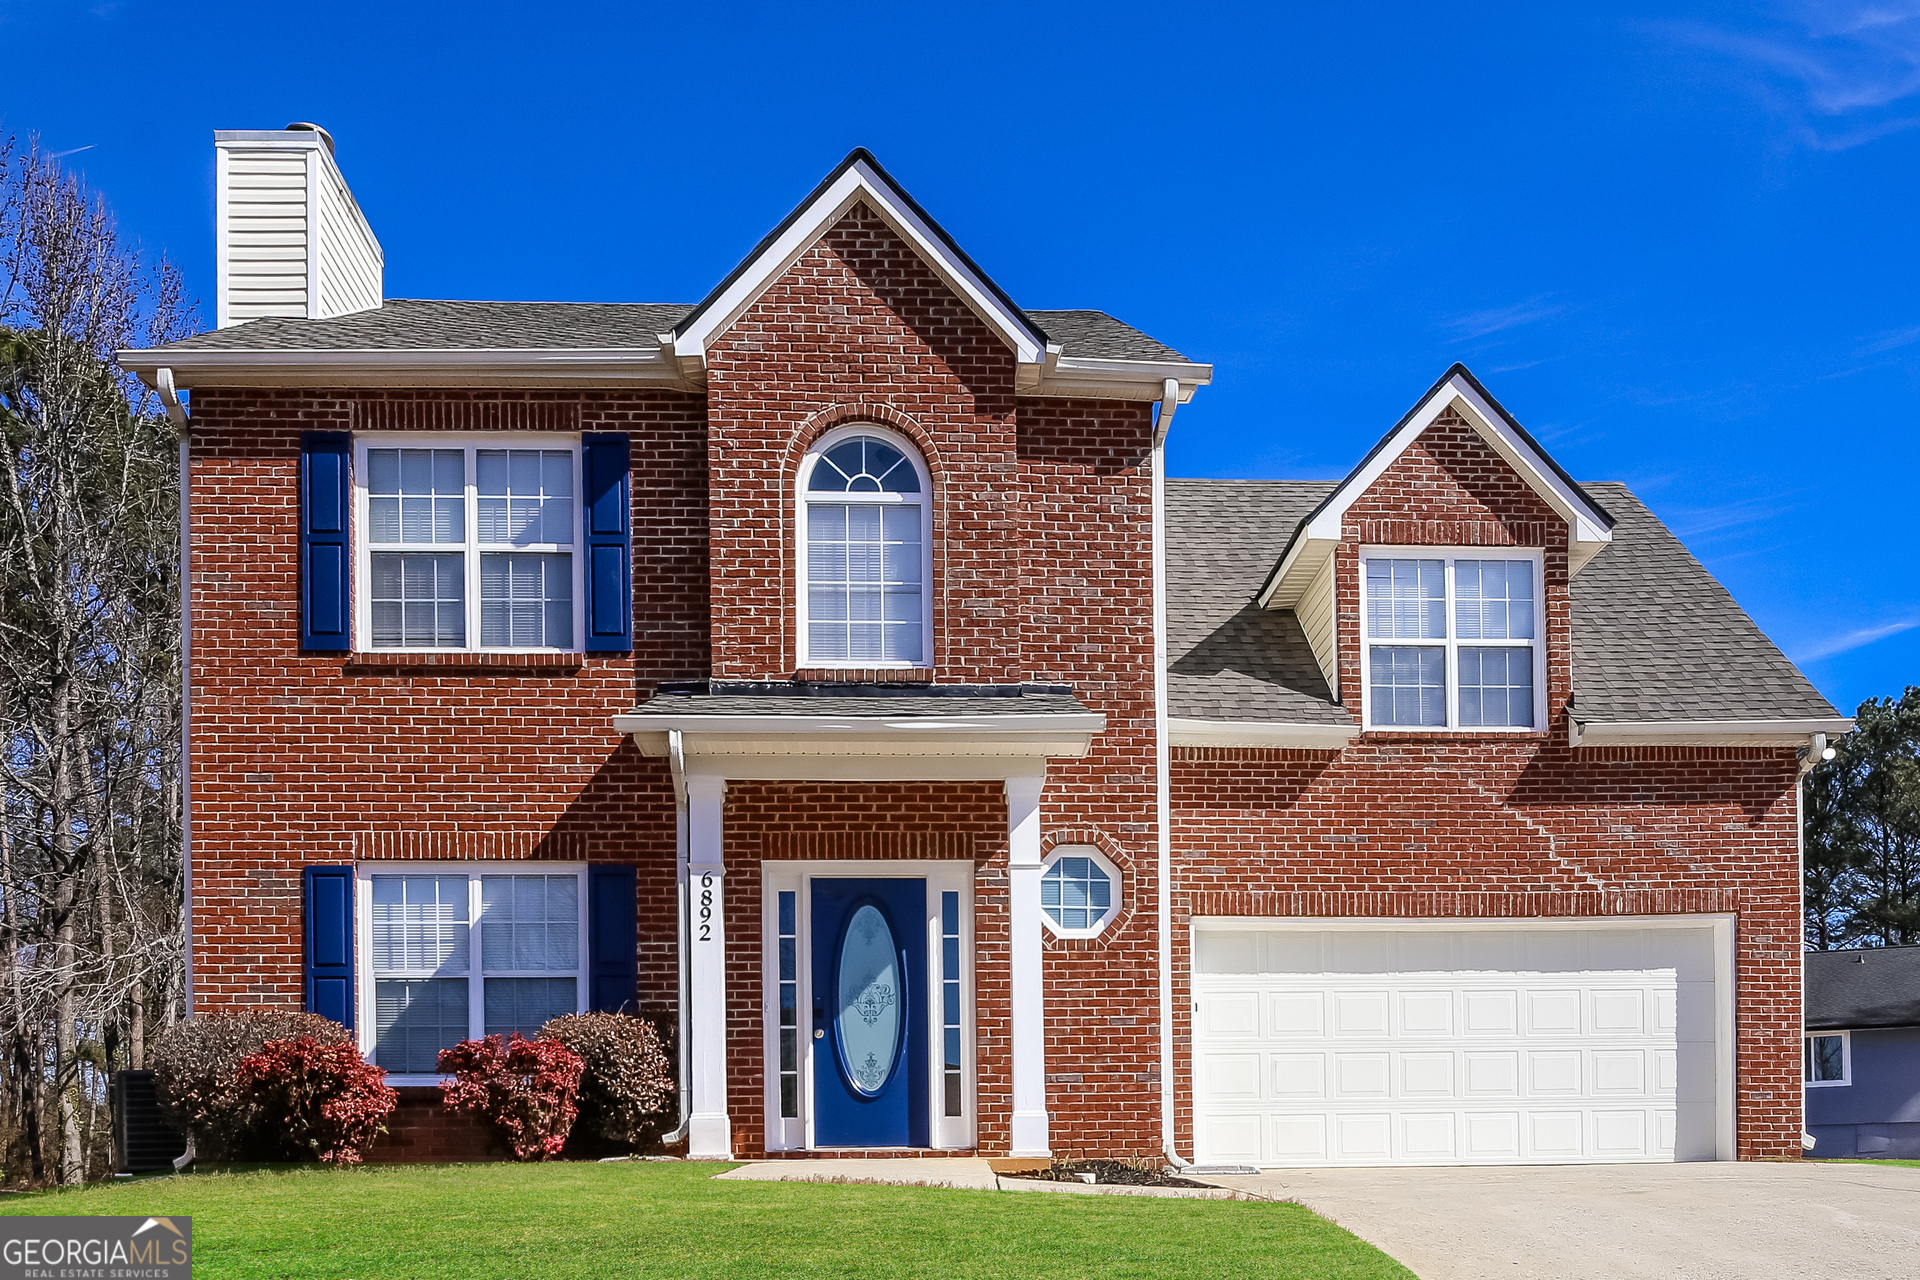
1277	735
1591	528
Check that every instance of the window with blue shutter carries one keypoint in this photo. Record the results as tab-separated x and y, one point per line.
329	943
614	975
326	600
607	521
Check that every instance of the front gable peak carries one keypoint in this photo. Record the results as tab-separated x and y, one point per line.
1458	391
859	179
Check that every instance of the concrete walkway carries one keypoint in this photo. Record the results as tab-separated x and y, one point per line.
958	1173
1665	1221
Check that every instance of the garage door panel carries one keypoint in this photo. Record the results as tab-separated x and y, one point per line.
1359	1013
1230	1013
1361	1075
1426	1075
1429	1136
1431	1066
1299	1075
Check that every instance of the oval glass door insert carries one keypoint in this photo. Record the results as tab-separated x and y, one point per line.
869	1001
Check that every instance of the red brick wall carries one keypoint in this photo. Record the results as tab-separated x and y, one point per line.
860	319
1413	825
301	758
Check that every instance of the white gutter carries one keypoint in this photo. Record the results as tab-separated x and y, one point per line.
170	398
1705	733
612	366
677	760
1163	767
1270	734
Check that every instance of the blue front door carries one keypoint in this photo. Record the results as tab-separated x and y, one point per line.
870	1013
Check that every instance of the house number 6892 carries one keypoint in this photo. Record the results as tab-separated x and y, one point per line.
706	908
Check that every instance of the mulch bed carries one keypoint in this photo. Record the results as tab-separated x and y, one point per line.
1108	1172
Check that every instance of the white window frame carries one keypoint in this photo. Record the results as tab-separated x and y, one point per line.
1452	644
795	1133
1114	877
471	549
364	1004
923	500
1846	1059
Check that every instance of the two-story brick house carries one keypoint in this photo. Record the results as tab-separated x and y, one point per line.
829	670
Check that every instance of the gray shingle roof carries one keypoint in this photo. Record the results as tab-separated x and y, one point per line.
1229	659
1655	637
1873	987
1098	336
866	700
416	324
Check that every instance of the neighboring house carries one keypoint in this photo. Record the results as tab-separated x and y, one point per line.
1862	1056
785	666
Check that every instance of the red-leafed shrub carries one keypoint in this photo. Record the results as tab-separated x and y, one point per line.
195	1070
315	1099
524	1088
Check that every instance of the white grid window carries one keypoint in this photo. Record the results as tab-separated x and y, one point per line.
1079	892
864	554
468	547
1452	641
437	981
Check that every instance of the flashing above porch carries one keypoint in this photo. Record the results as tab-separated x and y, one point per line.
864	732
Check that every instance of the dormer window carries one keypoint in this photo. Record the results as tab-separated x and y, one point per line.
865	553
1451	641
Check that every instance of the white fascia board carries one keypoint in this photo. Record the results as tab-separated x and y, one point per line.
787	743
1704	733
1322	533
1260	733
618	366
1097	379
858	183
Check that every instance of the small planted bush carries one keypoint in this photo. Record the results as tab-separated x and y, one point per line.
627	1082
524	1089
196	1073
315	1100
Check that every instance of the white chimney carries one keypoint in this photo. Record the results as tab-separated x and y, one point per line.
289	239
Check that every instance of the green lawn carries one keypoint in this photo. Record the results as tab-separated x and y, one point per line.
1899	1164
553	1221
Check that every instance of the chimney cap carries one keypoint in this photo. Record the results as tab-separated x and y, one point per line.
309	125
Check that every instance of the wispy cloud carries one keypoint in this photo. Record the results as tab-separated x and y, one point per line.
1478	324
1892	341
1833	646
1840	74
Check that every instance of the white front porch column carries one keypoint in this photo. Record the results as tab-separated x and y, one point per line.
709	1133
1029	1137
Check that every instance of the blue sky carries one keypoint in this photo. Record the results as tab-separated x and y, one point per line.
1678	243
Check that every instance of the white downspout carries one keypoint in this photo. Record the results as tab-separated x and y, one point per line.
1163	765
1816	751
170	398
677	758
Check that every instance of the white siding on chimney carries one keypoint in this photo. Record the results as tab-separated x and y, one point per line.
291	240
350	258
264	250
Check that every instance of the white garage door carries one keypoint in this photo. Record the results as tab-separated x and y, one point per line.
1425	1045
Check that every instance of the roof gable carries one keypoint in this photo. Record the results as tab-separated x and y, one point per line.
1320	531
858	179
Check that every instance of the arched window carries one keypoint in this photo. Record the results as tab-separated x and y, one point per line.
864	564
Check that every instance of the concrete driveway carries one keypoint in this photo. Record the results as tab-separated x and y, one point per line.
1671	1221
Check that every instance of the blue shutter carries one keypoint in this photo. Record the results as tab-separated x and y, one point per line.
329	943
326	602
607	517
615	968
